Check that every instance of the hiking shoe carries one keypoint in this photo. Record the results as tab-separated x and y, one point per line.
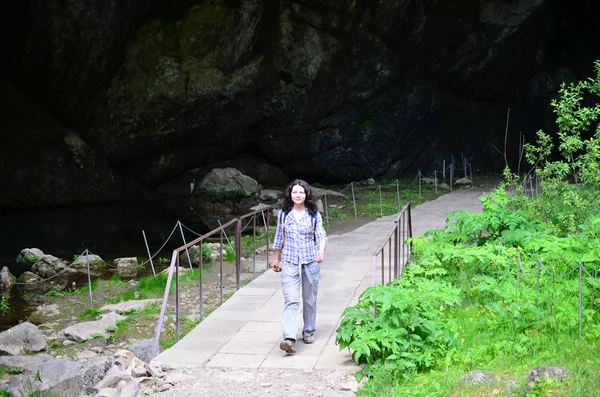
308	339
288	346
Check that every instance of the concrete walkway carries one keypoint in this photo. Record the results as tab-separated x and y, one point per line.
245	331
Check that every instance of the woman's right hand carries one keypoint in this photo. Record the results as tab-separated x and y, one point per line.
275	265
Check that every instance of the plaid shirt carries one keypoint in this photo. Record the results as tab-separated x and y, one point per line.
299	246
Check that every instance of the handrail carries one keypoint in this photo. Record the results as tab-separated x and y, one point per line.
401	231
174	267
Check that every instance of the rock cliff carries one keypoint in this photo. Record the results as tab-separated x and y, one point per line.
113	99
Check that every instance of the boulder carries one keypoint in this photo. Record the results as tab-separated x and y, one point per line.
463	181
28	278
126	262
28	256
95	262
477	377
86	330
62	378
49	266
29	364
270	194
228	181
143	349
6	279
544	372
46	311
20	339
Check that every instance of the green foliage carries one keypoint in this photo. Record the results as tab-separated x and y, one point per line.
89	314
229	254
5	303
337	214
519	295
577	111
116	280
409	331
10	371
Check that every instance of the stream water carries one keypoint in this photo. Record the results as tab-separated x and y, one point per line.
109	230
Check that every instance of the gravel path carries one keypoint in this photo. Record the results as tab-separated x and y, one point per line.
230	382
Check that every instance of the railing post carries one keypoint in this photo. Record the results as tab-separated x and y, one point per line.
238	251
221	264
268	237
326	209
390	261
254	246
163	307
397	249
383	266
177	295
200	290
353	200
373	269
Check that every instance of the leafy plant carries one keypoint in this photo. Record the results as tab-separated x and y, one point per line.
402	324
4	303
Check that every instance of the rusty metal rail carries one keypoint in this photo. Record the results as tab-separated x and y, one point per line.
174	266
398	251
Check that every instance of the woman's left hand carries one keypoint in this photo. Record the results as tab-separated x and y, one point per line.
320	256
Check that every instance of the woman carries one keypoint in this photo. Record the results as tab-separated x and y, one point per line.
300	242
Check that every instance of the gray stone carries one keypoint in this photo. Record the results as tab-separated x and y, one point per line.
6	279
28	256
47	310
22	385
95	262
270	194
127	306
126	262
106	392
229	181
21	338
477	377
143	349
78	381
128	389
49	266
113	379
164	387
29	364
84	331
463	181
544	372
28	278
57	368
85	355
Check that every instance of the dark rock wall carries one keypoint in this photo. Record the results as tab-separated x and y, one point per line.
114	99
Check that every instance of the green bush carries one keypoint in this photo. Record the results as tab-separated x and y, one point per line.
409	331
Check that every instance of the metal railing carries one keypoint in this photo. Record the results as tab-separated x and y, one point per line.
398	251
174	266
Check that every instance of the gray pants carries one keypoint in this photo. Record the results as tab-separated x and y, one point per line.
290	283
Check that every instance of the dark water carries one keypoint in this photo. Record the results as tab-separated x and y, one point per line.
109	230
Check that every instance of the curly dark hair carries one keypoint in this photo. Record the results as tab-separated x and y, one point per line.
310	201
